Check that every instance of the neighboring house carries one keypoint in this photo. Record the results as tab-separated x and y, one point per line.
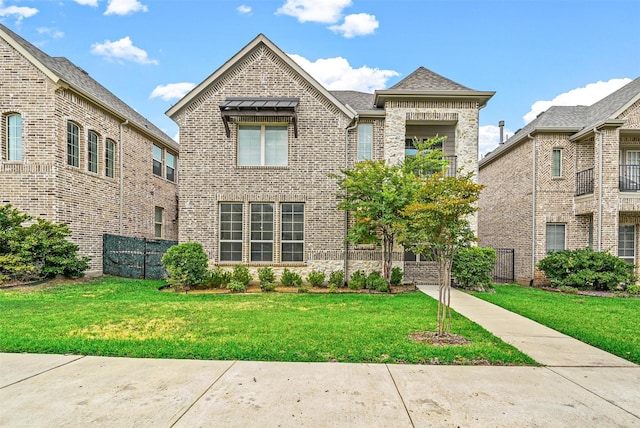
73	153
569	179
259	138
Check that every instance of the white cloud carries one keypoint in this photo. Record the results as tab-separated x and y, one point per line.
244	9
489	138
122	49
19	12
125	7
93	3
325	11
172	90
56	34
359	24
337	74
586	96
176	138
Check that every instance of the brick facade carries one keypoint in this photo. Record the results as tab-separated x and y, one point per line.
523	196
44	185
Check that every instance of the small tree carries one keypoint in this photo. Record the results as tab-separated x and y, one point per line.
439	225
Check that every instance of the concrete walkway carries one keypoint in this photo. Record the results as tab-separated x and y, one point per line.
70	391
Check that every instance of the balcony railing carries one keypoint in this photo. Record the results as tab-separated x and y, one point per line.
629	180
584	182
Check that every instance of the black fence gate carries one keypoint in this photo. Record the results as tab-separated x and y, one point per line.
504	271
134	257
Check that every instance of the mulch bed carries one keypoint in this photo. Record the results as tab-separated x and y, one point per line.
433	338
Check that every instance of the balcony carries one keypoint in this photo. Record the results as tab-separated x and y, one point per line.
629	180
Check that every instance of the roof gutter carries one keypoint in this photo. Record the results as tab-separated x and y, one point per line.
609	123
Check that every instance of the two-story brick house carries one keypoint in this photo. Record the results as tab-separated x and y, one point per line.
73	153
259	138
569	179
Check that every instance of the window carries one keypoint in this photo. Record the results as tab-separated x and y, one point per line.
262	145
171	167
92	152
73	144
365	141
555	237
556	167
261	232
410	256
627	242
109	158
158	222
157	160
14	137
292	224
231	232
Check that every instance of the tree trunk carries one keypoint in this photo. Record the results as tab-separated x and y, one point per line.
387	258
444	295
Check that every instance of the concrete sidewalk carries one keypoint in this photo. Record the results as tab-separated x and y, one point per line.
70	391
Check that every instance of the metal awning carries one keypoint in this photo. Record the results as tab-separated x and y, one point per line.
259	107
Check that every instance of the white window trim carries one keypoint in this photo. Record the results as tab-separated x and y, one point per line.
263	143
630	259
546	236
553	152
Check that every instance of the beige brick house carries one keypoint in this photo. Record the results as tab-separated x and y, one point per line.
260	136
569	179
72	152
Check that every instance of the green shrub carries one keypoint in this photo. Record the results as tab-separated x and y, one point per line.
633	289
186	265
568	289
241	274
218	277
268	286
358	280
237	287
15	268
266	275
332	288
396	276
290	278
375	281
472	266
586	269
316	278
303	289
336	278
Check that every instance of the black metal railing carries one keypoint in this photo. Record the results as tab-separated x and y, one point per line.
630	178
584	182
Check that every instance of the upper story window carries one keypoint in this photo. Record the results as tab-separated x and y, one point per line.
157	160
365	141
263	145
556	163
171	166
73	144
92	152
14	137
109	158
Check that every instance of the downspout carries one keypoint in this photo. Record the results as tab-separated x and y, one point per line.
121	163
346	213
533	207
595	134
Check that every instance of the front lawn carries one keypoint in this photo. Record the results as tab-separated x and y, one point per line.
608	323
122	317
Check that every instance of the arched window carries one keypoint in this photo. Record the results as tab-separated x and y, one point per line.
14	137
73	144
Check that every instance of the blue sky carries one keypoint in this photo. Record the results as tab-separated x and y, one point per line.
532	53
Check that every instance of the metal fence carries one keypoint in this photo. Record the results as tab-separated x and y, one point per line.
134	257
504	271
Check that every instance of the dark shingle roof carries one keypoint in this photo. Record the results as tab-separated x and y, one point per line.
423	79
80	80
359	101
574	119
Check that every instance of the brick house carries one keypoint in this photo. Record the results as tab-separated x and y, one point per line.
259	137
569	179
73	153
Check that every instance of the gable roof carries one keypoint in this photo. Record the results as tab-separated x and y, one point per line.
362	102
261	39
425	84
576	120
66	74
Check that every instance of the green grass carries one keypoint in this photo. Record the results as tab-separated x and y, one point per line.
608	323
120	317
